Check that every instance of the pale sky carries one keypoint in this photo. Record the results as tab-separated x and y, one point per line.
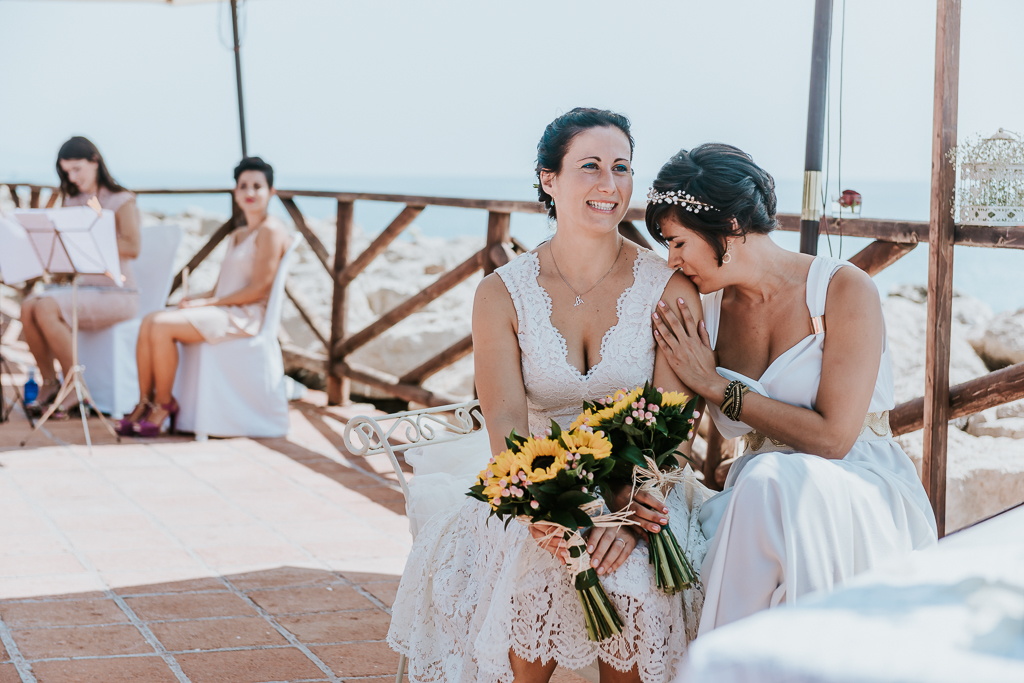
338	88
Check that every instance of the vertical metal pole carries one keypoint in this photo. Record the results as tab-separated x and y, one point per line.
811	213
940	258
238	75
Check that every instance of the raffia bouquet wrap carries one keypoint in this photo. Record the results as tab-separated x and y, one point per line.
645	427
551	480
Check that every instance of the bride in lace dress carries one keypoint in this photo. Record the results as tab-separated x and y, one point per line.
567	322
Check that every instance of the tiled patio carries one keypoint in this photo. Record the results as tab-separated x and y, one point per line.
227	561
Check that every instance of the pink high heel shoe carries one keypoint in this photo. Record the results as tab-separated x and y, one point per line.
126	425
148	428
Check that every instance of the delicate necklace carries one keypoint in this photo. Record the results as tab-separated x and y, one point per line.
579	295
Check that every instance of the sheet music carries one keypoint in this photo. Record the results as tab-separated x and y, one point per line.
73	240
18	260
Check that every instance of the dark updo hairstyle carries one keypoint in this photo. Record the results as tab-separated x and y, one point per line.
559	135
81	148
724	177
255	164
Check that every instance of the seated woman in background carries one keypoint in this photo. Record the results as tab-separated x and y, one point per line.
233	310
101	303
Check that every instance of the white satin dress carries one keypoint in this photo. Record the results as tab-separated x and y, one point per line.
795	523
472	590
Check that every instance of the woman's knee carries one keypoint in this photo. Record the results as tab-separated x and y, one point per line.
46	309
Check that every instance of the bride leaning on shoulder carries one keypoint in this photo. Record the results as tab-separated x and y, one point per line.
565	323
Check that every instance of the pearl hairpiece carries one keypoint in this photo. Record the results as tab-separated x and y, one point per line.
679	198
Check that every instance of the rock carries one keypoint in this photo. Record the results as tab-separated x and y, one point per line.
1001	342
985	475
906	324
991	423
1015	409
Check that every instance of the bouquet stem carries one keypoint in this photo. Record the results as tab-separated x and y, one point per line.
672	571
602	620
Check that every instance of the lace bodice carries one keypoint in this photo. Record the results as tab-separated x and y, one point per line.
555	389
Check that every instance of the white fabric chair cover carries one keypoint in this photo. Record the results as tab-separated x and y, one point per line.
108	355
237	387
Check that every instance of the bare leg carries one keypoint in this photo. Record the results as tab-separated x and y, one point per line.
144	359
55	331
168	328
530	672
610	674
37	342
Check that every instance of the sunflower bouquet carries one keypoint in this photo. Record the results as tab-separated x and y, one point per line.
645	427
552	480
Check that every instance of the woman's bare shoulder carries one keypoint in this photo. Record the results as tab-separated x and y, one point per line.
680	287
852	288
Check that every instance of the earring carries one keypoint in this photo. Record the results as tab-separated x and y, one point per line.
727	258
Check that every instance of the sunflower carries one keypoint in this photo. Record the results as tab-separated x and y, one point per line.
504	465
541	459
592	418
583	443
674	398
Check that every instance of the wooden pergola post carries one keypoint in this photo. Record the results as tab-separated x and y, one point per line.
338	385
940	257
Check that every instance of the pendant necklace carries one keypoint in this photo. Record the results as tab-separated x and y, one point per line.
579	295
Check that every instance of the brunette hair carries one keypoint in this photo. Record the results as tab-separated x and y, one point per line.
255	164
724	177
82	148
559	135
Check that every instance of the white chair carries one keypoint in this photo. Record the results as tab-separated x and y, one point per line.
237	387
424	427
108	355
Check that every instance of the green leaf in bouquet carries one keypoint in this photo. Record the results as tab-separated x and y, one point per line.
564	517
514	441
633	455
581	517
574	499
556	431
545	499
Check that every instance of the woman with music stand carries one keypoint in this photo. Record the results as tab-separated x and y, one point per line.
46	316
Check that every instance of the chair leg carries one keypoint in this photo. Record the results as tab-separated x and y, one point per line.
401	669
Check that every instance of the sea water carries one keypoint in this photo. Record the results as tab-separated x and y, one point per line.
996	276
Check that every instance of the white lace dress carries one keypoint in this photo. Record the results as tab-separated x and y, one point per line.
473	591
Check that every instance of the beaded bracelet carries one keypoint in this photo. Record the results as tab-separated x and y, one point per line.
733	403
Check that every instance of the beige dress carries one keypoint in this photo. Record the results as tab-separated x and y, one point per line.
221	323
101	303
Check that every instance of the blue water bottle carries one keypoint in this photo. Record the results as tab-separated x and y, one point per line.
31	388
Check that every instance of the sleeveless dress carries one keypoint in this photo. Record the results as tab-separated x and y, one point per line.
101	303
473	590
221	323
794	523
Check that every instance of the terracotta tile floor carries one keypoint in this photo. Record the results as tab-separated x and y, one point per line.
227	561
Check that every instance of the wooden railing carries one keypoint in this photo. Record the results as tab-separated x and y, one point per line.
893	240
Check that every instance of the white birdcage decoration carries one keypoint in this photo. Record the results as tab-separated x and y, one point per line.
991	190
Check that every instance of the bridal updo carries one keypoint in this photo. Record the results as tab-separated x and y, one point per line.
724	177
559	135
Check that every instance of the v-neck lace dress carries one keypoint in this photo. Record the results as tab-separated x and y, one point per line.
796	523
474	590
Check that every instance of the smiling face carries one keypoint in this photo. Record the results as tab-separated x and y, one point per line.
81	173
252	191
593	188
690	253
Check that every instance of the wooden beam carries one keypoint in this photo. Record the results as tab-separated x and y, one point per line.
216	238
34	192
320	329
391	384
380	244
13	189
1003	237
314	242
982	393
338	385
54	195
497	237
417	301
456	351
940	258
879	255
297	357
629	230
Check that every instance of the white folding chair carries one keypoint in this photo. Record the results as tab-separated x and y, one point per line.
108	355
237	387
418	428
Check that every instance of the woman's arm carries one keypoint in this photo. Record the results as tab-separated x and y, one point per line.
498	364
127	220
271	241
849	369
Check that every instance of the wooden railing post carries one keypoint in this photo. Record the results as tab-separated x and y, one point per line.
338	385
940	258
498	251
33	198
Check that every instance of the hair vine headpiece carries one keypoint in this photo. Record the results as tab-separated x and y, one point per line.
679	198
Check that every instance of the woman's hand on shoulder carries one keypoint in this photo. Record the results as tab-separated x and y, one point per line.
683	344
